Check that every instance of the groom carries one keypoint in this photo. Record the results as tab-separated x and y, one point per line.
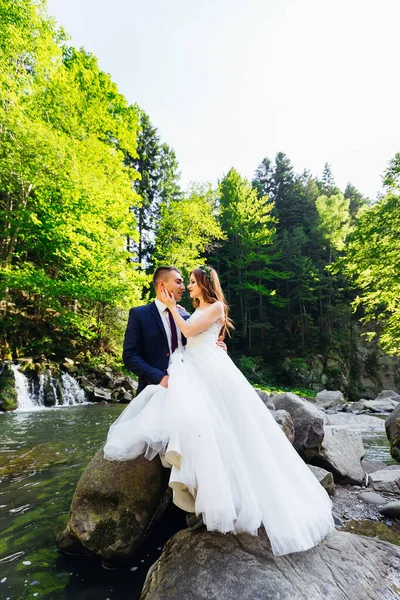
151	335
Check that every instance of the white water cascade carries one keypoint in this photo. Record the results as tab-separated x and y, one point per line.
73	393
30	399
25	400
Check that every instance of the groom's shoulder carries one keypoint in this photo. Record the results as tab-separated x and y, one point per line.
141	310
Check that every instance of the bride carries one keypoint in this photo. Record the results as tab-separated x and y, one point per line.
229	459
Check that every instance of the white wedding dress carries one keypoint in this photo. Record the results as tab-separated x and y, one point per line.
229	459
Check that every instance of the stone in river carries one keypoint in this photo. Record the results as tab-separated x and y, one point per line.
114	506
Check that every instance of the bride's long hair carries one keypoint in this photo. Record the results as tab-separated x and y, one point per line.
208	281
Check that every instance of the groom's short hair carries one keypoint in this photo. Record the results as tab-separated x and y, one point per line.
161	272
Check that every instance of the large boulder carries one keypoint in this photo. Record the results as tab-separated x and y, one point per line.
341	454
385	394
284	420
329	399
356	422
370	466
384	404
385	480
114	506
308	423
392	426
199	565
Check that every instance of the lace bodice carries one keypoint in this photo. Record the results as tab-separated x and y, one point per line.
209	336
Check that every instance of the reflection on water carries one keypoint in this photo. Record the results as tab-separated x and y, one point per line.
42	456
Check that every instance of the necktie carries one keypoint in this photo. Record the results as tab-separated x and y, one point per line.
174	334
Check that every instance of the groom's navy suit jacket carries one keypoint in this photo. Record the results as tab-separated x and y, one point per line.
146	349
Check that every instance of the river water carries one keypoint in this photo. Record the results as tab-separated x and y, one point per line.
42	456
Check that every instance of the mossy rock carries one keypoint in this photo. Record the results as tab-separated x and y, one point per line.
375	529
114	507
8	393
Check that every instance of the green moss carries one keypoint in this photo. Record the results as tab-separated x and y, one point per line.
105	534
308	393
375	529
8	393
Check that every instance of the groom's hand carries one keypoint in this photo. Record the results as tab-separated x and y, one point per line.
164	381
222	344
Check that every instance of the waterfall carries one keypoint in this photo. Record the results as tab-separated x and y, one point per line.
72	391
25	400
32	397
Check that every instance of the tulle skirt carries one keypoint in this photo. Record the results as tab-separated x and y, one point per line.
229	459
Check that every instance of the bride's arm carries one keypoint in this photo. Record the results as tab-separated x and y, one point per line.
203	322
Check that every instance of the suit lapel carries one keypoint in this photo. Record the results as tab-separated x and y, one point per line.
157	319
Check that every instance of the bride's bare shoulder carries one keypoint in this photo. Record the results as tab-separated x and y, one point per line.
218	308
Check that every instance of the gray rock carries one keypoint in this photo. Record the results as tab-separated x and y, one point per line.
128	397
130	384
100	394
200	565
283	418
308	423
384	405
329	399
50	396
114	506
388	394
341	453
69	367
370	466
107	380
338	521
356	422
266	398
355	407
392	426
325	478
391	509
372	498
386	480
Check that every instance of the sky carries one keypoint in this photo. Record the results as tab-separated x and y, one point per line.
228	82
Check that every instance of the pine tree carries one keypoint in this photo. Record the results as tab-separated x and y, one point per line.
244	260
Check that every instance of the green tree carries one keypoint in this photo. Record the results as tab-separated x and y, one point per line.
357	200
244	260
334	214
157	184
188	228
371	259
64	190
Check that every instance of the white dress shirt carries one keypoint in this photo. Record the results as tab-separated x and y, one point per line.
162	309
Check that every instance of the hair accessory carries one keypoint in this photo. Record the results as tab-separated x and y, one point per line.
207	271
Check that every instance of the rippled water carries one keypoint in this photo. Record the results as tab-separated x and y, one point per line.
42	456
